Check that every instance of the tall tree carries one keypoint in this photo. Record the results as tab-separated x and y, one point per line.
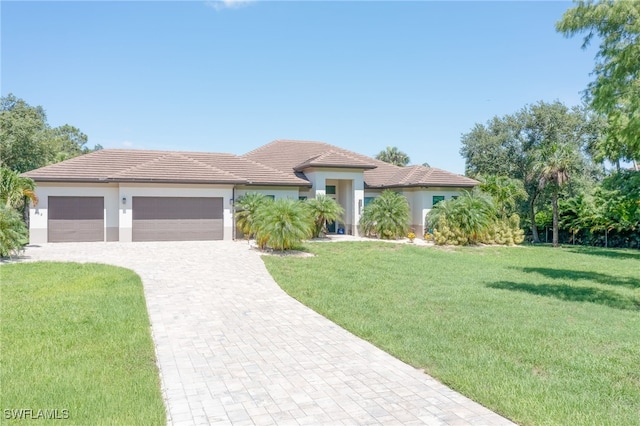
394	156
553	165
28	142
23	131
506	193
616	89
509	146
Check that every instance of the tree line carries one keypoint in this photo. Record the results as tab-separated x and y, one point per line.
28	142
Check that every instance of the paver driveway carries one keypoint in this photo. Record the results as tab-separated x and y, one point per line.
234	348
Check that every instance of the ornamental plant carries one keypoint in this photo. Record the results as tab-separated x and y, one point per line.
387	217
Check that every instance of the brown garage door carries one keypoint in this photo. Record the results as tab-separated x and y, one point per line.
72	219
177	218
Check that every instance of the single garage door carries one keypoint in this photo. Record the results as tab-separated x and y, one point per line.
74	219
177	218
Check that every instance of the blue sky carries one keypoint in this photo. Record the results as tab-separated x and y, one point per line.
202	76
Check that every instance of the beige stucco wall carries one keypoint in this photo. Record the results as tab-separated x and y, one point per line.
278	192
118	215
349	187
420	202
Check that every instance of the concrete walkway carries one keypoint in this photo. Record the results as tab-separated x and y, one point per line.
233	348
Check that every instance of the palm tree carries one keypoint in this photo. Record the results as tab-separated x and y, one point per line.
394	156
505	191
283	224
323	209
471	214
387	216
13	231
553	165
247	207
16	192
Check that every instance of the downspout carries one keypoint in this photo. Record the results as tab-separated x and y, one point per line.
233	213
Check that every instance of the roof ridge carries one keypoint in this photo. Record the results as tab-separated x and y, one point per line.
211	167
144	163
280	172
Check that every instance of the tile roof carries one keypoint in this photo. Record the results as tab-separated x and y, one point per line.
280	162
335	159
293	156
128	165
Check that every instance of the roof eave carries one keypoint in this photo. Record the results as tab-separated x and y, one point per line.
422	185
137	180
305	184
333	166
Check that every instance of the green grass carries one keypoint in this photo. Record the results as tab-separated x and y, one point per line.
543	336
76	338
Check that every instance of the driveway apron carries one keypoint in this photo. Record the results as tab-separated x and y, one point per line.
233	348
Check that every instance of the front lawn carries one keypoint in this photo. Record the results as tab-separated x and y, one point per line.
76	346
542	336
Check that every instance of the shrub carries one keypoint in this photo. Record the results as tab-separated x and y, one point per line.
386	217
247	207
323	209
282	224
504	232
13	232
463	220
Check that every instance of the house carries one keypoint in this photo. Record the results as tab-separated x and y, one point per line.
136	195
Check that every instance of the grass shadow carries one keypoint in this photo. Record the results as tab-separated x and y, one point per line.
572	294
573	275
606	252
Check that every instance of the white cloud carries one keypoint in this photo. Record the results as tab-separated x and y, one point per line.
228	4
127	144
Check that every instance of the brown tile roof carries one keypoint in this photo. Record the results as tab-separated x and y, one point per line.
127	165
335	159
280	162
292	156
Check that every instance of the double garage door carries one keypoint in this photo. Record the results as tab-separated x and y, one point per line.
177	218
74	219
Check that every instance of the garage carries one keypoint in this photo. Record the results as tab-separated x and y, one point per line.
177	218
75	219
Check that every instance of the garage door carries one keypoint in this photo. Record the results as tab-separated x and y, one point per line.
73	219
177	218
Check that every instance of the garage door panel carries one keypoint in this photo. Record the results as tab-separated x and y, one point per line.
75	219
67	231
177	219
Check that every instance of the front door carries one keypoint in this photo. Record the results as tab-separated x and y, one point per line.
331	193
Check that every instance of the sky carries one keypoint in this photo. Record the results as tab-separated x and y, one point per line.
230	77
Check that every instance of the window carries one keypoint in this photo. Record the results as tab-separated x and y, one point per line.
331	190
271	197
368	200
437	198
302	198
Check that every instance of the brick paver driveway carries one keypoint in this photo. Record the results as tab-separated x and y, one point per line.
234	348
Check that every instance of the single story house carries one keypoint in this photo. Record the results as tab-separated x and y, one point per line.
137	195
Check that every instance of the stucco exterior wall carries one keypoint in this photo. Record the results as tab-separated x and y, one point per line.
118	204
420	203
278	192
349	185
